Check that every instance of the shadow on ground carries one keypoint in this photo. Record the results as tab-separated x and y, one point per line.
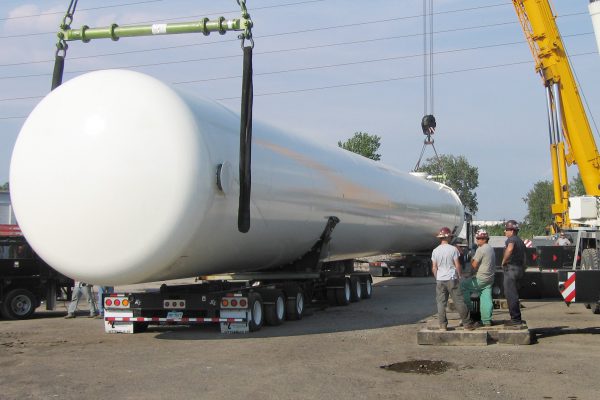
396	301
547	332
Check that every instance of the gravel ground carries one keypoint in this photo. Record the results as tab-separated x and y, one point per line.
365	351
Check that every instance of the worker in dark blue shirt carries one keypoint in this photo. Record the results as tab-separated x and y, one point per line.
513	265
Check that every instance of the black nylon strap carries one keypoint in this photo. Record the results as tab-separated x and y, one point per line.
245	143
57	75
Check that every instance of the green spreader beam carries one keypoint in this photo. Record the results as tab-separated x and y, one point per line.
115	32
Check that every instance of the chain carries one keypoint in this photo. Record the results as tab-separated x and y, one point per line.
247	34
61	45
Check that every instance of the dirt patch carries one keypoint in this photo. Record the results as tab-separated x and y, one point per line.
427	367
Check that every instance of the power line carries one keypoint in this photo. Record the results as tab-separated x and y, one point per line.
395	79
363	82
266	36
81	9
267	52
173	18
346	63
284	33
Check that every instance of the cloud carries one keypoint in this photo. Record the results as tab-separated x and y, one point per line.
29	18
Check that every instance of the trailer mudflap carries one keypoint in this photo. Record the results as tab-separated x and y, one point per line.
236	321
118	321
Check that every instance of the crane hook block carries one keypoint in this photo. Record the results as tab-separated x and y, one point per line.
428	125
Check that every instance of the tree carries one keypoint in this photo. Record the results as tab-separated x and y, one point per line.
4	188
457	173
576	187
539	202
364	144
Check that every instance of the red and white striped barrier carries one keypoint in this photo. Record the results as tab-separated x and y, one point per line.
184	319
568	292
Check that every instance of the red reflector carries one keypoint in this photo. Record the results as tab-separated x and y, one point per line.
117	302
181	304
108	302
554	257
233	303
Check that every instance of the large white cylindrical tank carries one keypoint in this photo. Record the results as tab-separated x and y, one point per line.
594	8
114	181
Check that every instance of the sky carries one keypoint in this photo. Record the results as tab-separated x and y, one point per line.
328	68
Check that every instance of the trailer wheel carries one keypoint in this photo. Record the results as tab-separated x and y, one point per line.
255	304
275	313
590	259
331	298
355	289
367	287
140	327
343	294
18	304
294	305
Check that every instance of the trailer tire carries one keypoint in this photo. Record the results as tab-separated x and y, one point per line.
255	305
18	304
275	312
590	259
294	304
140	327
331	297
355	289
343	294
367	287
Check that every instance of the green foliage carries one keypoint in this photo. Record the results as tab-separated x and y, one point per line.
459	175
525	232
576	187
539	201
495	230
364	144
4	188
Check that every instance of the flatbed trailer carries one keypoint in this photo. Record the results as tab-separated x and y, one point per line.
240	303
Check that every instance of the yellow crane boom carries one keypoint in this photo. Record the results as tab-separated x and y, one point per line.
567	120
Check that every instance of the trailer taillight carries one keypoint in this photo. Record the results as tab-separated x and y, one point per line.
108	302
117	302
224	303
234	303
125	302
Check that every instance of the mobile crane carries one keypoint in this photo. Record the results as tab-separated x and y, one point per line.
571	138
571	142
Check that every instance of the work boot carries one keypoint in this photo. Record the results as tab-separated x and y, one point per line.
513	324
100	316
469	326
69	316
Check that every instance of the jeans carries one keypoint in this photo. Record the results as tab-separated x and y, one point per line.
512	275
101	291
450	288
78	292
486	304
